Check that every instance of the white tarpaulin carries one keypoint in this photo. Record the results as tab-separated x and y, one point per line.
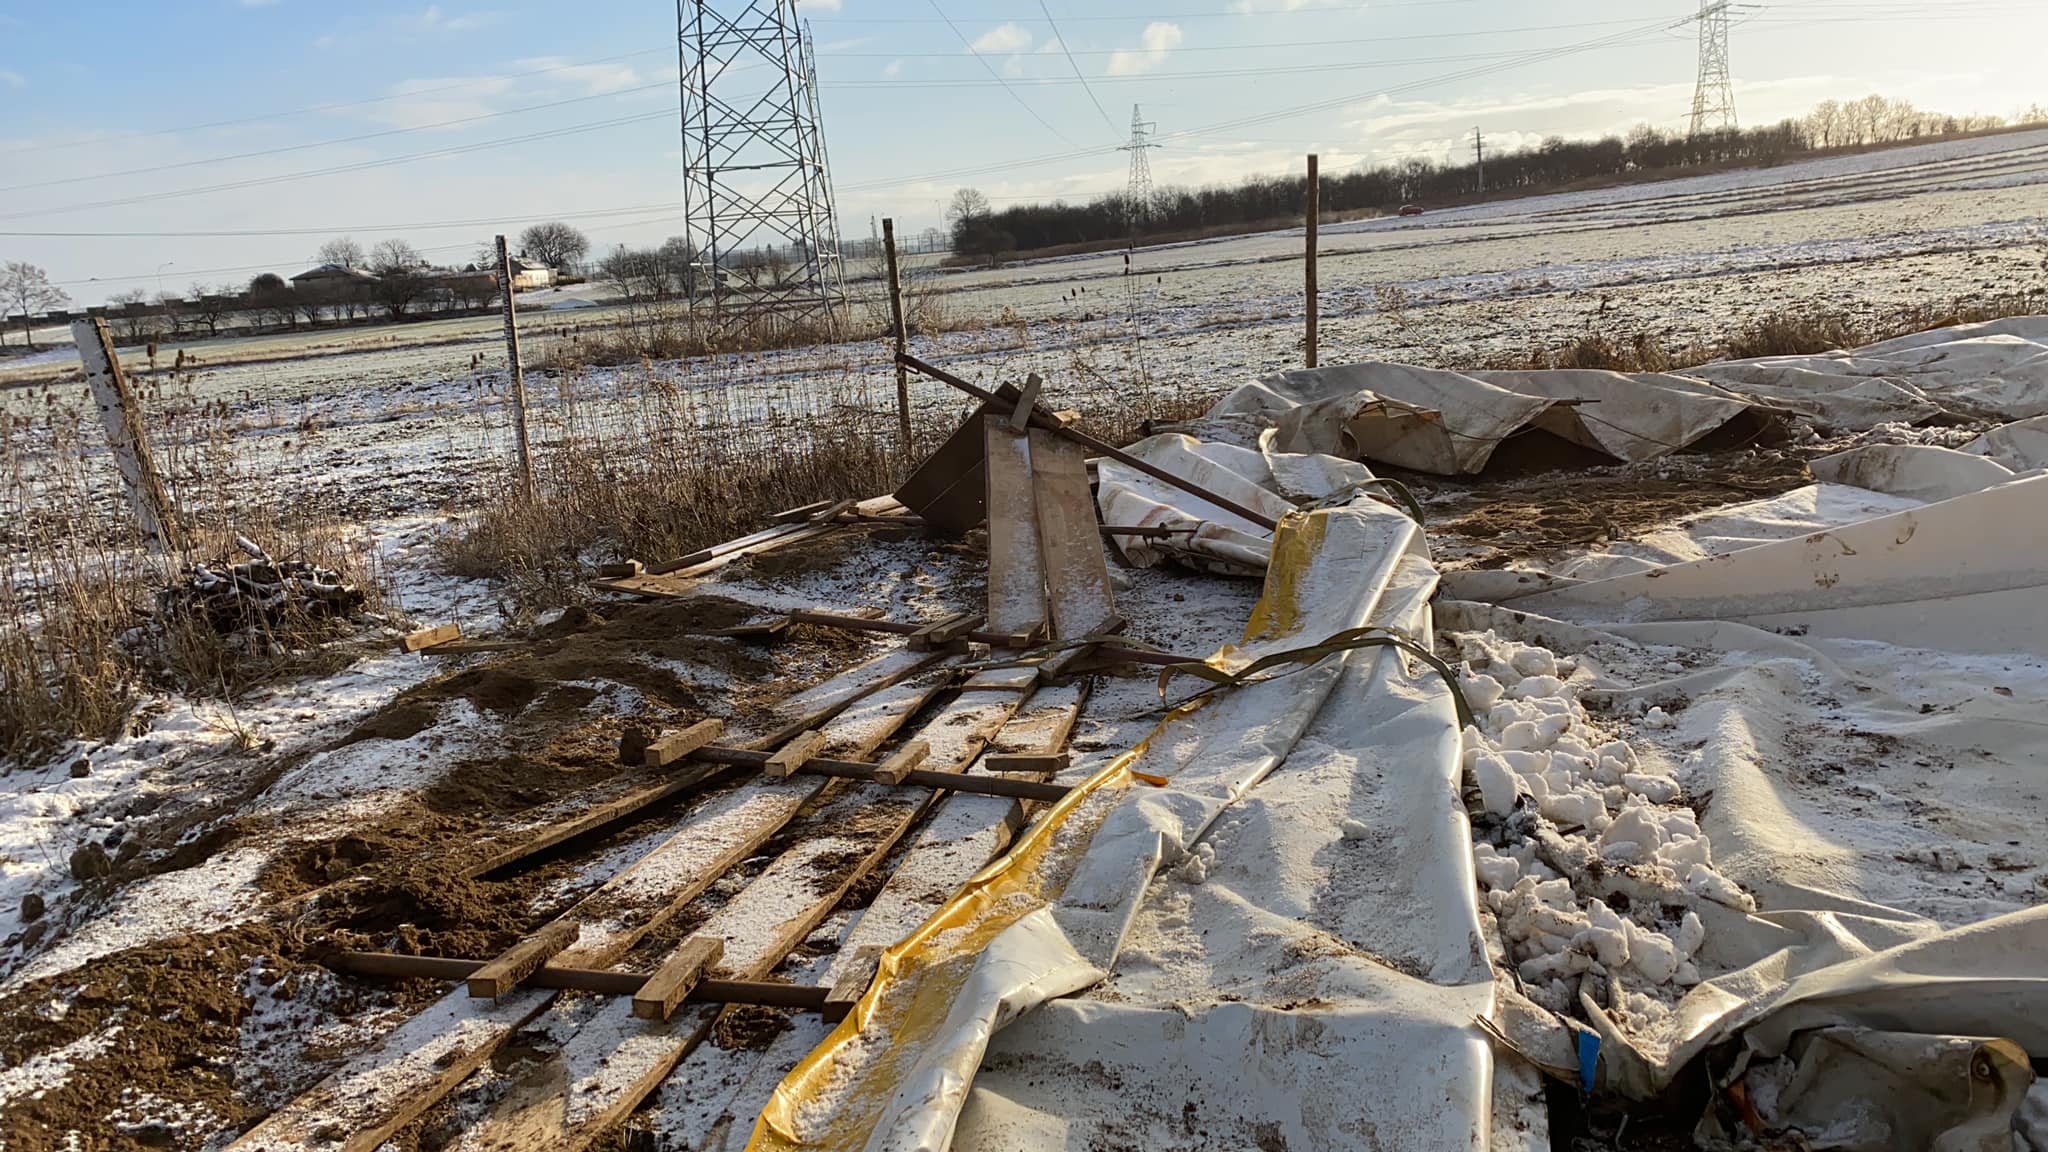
1215	539
1992	371
1433	420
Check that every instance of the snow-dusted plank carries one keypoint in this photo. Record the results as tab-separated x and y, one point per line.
1076	575
376	1093
1016	573
725	1091
612	1061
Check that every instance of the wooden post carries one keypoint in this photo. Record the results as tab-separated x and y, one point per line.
902	338
517	372
1314	211
127	435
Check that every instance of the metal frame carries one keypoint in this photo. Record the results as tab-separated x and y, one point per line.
1713	98
1139	191
755	173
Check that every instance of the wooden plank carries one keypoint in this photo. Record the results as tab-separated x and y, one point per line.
800	512
676	745
1020	416
1016	572
795	754
941	633
473	647
946	490
769	631
519	961
892	770
379	1091
611	1061
1076	574
852	983
428	637
657	999
1034	762
605	981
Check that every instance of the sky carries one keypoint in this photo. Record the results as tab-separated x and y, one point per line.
274	124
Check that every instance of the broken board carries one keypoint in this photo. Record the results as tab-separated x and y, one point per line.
1070	540
1016	572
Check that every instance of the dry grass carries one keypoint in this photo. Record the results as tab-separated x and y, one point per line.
1796	332
81	634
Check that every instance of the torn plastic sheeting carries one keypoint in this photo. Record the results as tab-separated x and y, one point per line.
1048	919
2021	445
1434	420
1968	574
1326	920
1919	471
1995	370
1265	481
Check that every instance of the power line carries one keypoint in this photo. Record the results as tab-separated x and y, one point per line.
1014	94
312	108
1068	52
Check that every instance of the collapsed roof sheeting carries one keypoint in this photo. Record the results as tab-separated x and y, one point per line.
1433	420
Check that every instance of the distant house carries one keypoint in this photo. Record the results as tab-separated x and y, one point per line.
331	276
526	275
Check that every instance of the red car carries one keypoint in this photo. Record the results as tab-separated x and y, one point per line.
1411	209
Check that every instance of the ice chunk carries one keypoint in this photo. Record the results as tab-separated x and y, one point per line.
1521	734
1682	854
1533	661
1497	784
1690	935
1481	691
1497	871
1658	718
1526	763
1621	852
1635	824
1553	964
1718	888
1353	830
1581	806
1655	789
1534	686
1619	750
1650	953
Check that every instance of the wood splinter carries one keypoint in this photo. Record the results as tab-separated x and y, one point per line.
428	637
852	983
521	960
792	756
657	999
895	768
676	745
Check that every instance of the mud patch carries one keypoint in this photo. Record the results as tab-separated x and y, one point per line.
749	1027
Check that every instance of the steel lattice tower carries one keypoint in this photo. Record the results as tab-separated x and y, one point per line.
1713	99
1138	197
755	176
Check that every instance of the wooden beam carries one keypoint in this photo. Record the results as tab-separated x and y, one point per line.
795	754
657	999
1022	762
897	766
1000	404
665	567
523	959
428	637
623	570
1020	416
1016	565
605	981
1076	575
944	632
852	984
676	745
914	778
800	512
474	647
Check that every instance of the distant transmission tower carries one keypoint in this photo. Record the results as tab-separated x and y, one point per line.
757	188
1713	99
1138	197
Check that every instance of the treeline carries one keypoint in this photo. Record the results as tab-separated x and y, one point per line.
1554	163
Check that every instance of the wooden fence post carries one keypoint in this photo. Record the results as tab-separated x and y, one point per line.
518	372
127	435
1314	212
902	338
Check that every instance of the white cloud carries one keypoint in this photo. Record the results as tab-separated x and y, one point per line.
1003	38
12	78
892	69
1159	38
434	20
1052	44
589	79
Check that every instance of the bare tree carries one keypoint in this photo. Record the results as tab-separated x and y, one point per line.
344	251
132	321
26	289
270	294
399	284
211	307
967	204
553	243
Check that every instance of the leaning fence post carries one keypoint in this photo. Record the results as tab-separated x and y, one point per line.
1314	212
518	372
127	435
902	338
